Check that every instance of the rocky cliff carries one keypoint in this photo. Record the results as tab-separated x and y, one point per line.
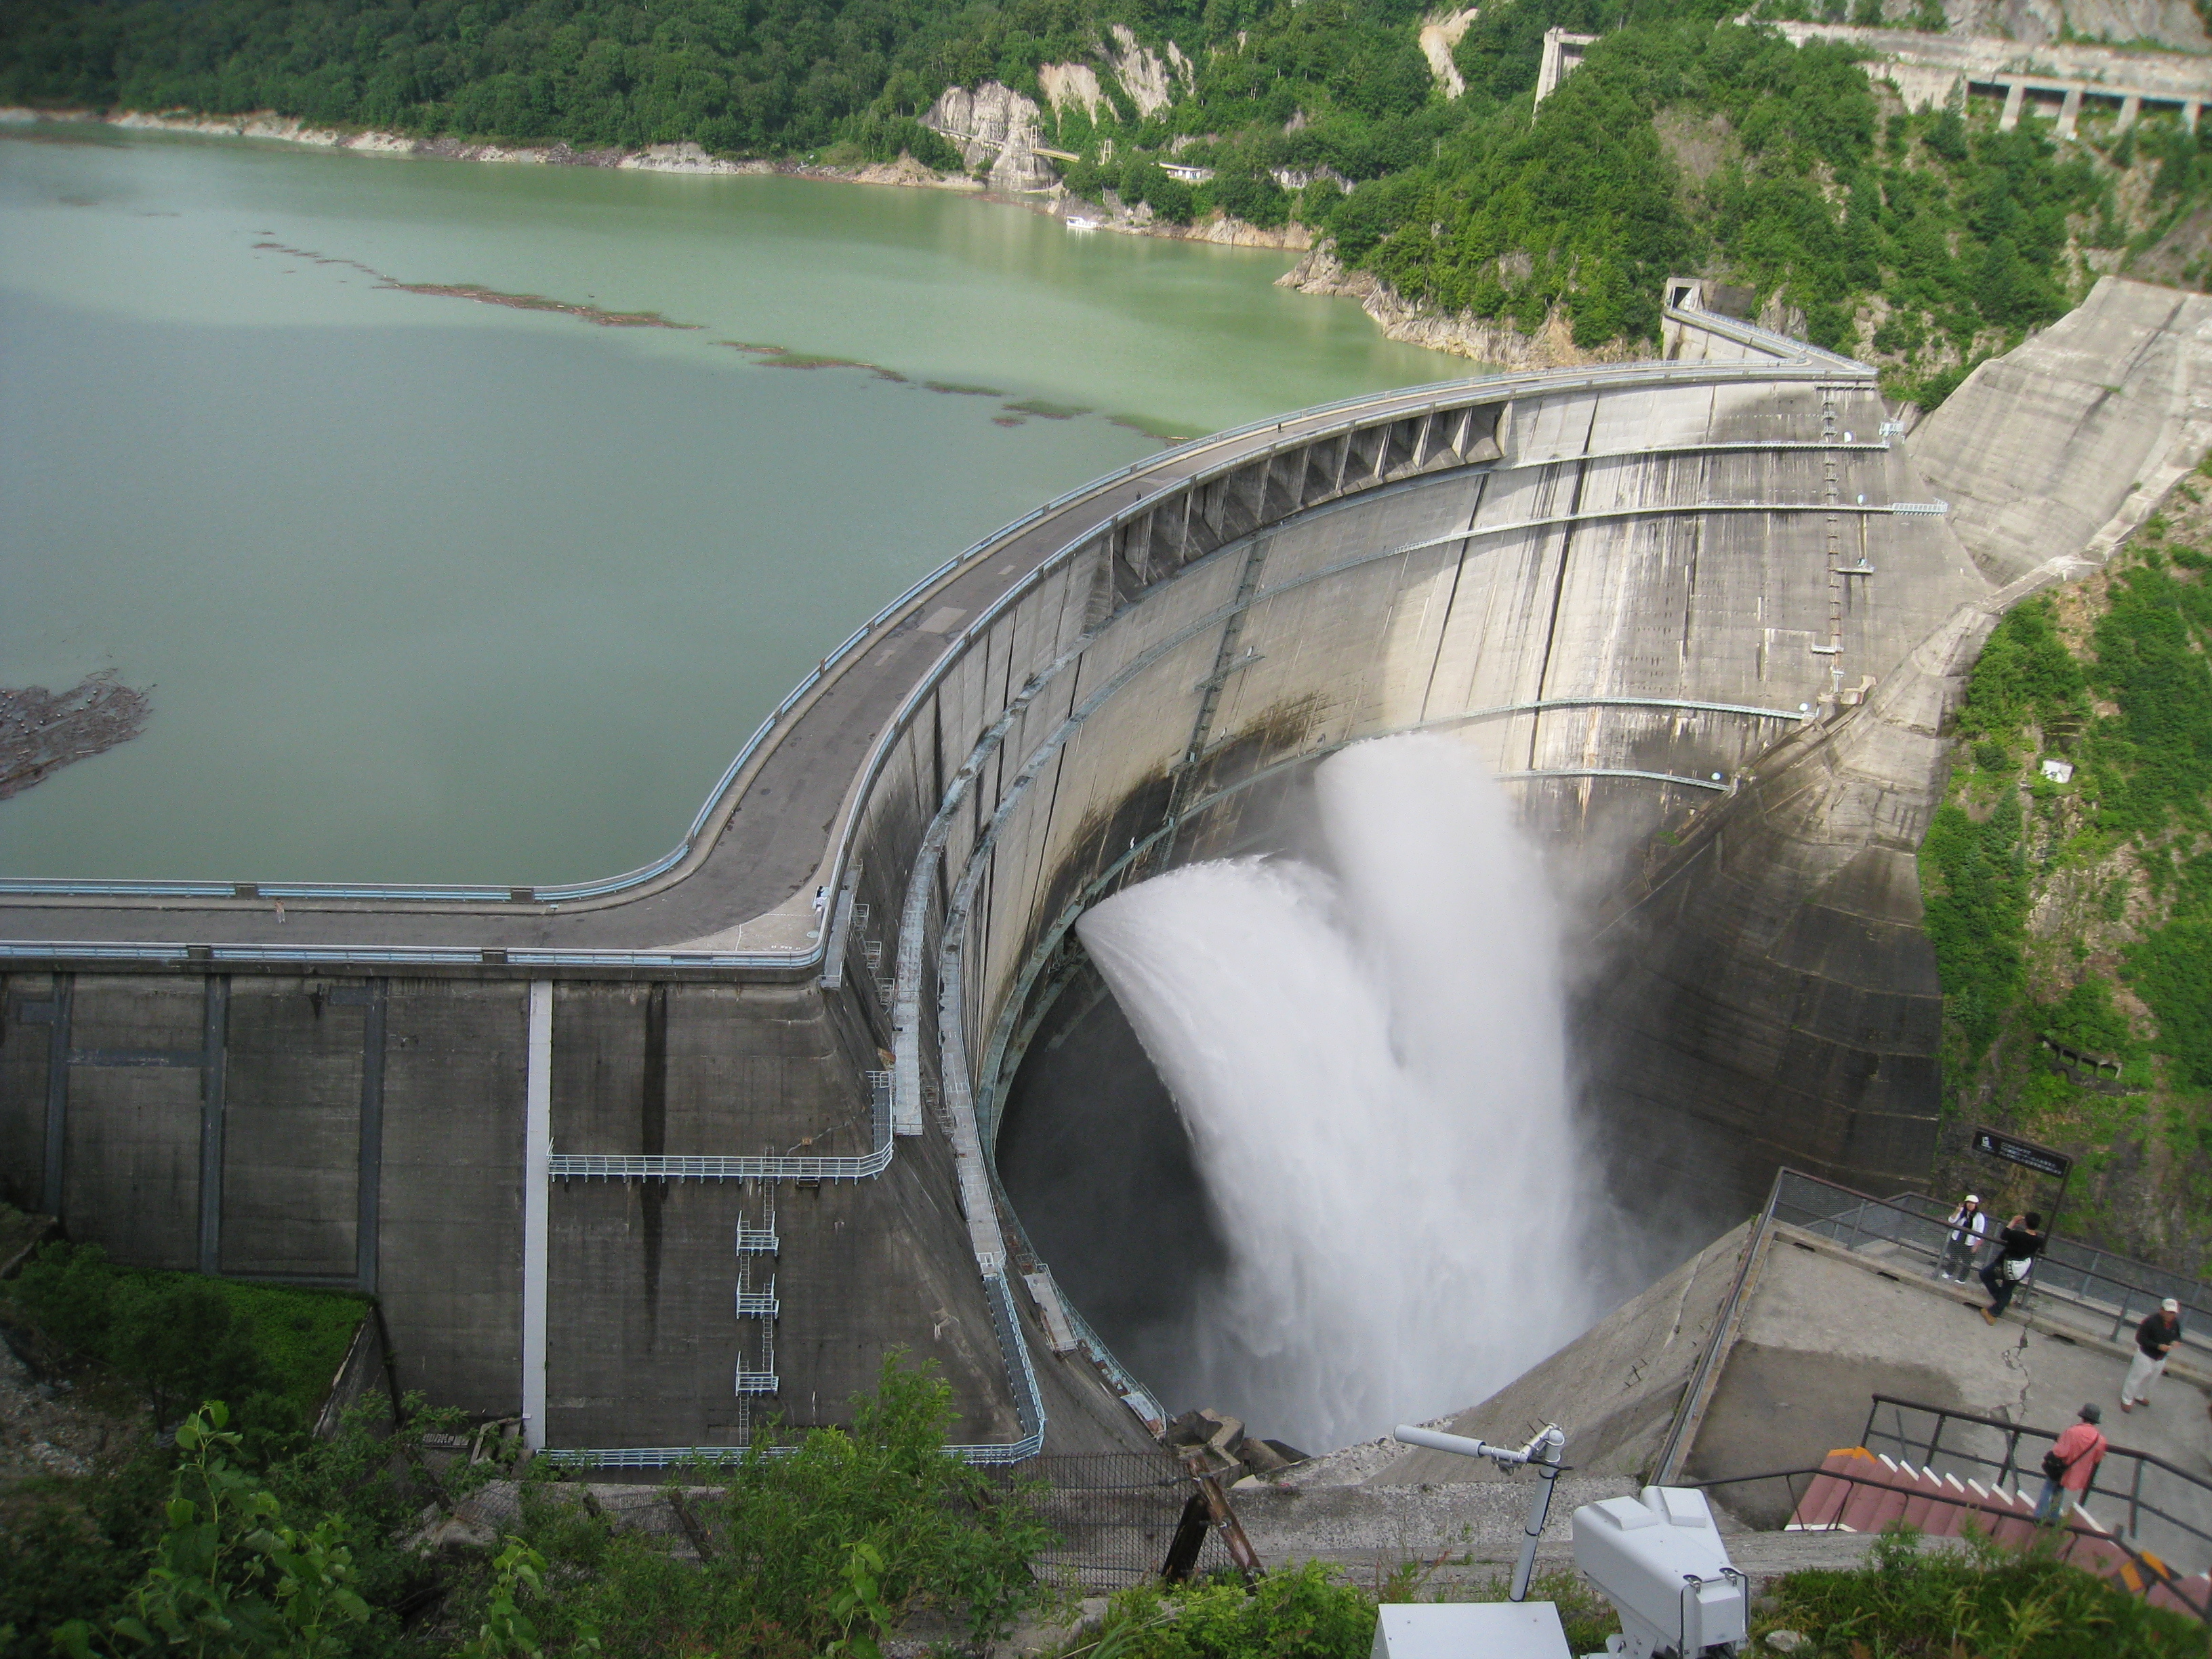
995	129
1487	340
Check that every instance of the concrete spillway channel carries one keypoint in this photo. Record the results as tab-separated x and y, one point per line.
640	1158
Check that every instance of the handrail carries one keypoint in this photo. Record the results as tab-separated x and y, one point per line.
1692	1406
2153	1282
2153	1571
1386	407
1932	1227
2007	1468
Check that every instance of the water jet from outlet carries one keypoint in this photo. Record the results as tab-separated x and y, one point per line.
1369	1052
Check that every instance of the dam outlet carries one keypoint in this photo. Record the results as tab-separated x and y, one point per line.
1367	1053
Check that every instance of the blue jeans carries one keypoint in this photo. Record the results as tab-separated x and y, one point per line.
1999	1287
2055	1501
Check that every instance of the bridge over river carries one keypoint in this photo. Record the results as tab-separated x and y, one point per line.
638	1158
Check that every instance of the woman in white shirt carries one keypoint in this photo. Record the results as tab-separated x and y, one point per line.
1969	1227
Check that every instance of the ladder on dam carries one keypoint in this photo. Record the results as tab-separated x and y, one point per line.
757	1302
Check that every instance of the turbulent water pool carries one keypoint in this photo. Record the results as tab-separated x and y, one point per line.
422	585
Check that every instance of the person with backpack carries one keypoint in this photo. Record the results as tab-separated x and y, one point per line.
1969	1227
2069	1467
2155	1340
2017	1246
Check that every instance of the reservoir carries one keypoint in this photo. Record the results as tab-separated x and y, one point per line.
429	582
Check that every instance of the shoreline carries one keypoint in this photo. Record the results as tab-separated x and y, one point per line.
1493	344
684	158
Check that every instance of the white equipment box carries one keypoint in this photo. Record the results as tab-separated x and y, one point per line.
1470	1630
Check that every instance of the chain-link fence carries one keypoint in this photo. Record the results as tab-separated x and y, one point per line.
1114	1514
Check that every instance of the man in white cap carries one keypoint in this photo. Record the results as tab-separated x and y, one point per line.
1969	1227
2154	1340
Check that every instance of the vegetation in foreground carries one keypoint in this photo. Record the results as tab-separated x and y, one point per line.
1979	1601
2081	912
237	1535
1687	142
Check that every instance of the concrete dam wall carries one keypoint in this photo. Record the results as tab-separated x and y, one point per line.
642	1160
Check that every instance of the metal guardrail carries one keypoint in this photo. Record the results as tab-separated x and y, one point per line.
1682	1432
1802	362
2151	1570
2099	1283
2169	1509
595	1166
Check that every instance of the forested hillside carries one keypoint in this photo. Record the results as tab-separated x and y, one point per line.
1685	142
2072	919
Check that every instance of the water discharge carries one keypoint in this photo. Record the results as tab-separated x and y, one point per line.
1369	1058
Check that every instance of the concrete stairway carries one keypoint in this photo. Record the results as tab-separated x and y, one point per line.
1858	1492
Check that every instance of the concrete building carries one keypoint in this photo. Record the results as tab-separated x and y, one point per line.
637	1158
2060	79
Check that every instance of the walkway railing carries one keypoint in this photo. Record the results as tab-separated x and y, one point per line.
1834	1498
1798	360
2167	1508
2105	1292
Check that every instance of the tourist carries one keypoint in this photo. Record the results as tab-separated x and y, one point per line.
2154	1340
2069	1467
2016	1249
1969	1227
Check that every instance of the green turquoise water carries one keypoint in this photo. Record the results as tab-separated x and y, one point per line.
428	588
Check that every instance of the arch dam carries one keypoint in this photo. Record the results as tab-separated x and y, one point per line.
639	1159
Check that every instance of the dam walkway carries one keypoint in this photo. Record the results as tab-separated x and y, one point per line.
752	885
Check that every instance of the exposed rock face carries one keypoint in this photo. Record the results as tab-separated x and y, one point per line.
1147	77
1485	339
994	127
1072	84
1234	233
1438	37
2173	23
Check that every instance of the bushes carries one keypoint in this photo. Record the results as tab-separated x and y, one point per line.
1982	1599
230	1575
307	1554
1298	1615
1301	1614
832	1544
180	1339
882	137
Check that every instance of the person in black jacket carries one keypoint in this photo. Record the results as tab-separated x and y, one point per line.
2017	1246
2154	1340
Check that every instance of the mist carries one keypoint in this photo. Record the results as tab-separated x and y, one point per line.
1368	1051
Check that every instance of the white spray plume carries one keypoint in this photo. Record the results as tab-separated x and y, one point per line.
1371	1063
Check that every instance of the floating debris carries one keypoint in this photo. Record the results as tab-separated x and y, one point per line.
42	730
492	296
1050	412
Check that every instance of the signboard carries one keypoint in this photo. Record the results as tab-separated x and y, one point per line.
2027	1153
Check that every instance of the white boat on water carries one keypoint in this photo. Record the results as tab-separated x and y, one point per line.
1076	222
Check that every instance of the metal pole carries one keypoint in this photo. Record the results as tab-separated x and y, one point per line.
1547	1461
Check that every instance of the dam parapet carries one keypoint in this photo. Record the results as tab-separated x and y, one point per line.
539	1126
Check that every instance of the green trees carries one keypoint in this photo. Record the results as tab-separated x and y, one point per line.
1686	141
230	1576
180	1339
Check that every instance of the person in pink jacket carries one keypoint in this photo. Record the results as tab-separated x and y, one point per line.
2068	1465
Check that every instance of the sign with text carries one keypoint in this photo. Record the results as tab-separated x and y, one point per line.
2026	1153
